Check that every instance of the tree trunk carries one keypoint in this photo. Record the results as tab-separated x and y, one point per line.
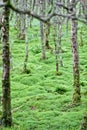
17	21
56	45
59	43
23	19
6	97
84	123
32	5
76	94
47	26
42	31
26	47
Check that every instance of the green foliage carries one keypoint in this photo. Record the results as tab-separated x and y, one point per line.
36	49
41	100
61	90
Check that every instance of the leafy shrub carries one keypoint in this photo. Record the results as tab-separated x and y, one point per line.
60	90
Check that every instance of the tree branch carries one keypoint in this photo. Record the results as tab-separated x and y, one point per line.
43	19
61	5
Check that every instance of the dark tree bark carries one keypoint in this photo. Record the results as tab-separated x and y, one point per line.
76	94
6	97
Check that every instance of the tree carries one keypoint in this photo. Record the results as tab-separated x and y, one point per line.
76	75
84	123
6	119
26	43
48	9
56	45
42	30
6	101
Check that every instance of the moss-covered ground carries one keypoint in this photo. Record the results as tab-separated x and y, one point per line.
42	100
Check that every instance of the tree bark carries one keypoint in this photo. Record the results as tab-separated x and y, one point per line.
32	5
6	94
84	123
23	20
59	43
42	31
26	47
76	94
48	9
56	45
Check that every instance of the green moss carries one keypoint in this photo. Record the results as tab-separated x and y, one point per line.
40	99
59	73
76	98
60	90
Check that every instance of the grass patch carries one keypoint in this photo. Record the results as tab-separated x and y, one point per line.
42	100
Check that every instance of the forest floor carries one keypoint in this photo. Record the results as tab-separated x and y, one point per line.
42	100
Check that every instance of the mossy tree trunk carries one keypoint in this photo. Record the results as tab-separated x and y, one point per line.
59	43
48	9
56	45
76	94
6	119
26	44
47	32
84	123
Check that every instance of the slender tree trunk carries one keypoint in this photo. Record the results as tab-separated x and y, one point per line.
67	19
56	45
37	6
26	41
17	21
46	37
42	31
76	94
59	43
6	97
32	5
60	21
23	19
47	27
47	32
84	123
26	47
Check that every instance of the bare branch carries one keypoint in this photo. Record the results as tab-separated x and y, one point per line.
61	5
43	19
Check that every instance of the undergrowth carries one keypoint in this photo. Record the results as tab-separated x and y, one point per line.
41	100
